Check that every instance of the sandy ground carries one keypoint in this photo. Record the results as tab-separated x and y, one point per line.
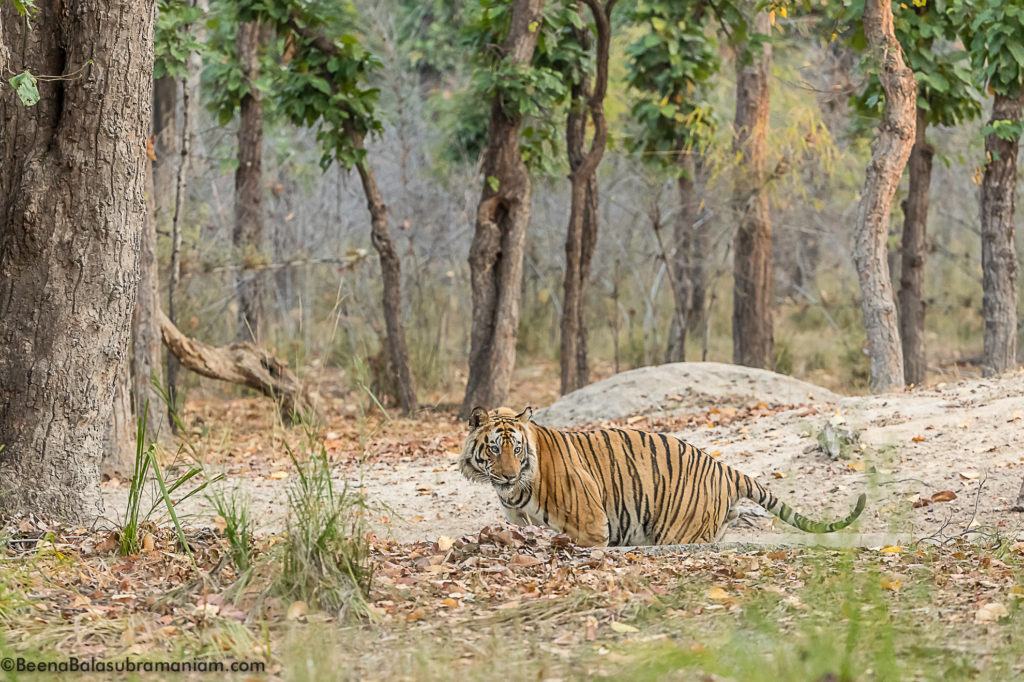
965	437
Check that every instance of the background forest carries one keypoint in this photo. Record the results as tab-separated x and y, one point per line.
423	75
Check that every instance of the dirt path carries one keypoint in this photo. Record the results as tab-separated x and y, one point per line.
960	437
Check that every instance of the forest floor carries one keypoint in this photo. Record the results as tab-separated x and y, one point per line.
902	450
928	585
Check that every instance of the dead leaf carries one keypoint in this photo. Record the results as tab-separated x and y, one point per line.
444	543
970	475
990	613
944	496
921	502
918	438
857	466
150	149
278	475
109	543
297	610
890	549
778	474
148	542
622	627
891	585
718	593
525	560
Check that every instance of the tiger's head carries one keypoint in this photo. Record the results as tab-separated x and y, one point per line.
500	448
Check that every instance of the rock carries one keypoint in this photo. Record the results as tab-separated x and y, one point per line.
674	388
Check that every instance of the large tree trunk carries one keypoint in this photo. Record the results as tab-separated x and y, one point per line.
915	226
752	341
391	273
248	233
896	134
581	235
72	203
496	254
998	254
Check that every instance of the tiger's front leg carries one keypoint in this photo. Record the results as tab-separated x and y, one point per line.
588	530
515	516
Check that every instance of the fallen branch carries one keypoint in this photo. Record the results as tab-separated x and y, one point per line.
240	363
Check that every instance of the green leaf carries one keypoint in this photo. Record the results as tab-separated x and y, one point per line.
493	182
25	85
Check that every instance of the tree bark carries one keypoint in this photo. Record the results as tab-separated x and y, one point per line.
240	363
391	273
581	235
683	259
896	135
119	447
912	251
165	146
72	203
496	253
147	362
248	234
998	254
752	341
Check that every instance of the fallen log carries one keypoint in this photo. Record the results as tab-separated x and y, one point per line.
240	363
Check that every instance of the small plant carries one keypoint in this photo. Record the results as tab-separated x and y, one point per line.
325	558
234	509
130	539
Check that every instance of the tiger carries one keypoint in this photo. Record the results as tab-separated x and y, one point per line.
613	487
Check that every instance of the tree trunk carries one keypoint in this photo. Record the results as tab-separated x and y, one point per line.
998	254
165	145
581	235
240	363
72	202
496	253
248	232
752	342
119	446
147	362
912	250
391	273
682	259
896	134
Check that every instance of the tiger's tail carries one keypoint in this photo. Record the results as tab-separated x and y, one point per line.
753	490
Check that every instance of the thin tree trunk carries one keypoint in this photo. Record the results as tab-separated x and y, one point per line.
896	135
248	234
496	253
998	254
752	341
72	202
119	446
175	274
581	235
391	273
681	261
165	145
912	250
699	247
147	364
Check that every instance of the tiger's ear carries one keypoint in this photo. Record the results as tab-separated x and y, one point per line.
477	417
526	416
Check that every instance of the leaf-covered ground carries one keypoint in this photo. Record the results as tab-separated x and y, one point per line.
521	604
926	586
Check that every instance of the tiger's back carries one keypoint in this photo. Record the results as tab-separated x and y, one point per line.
656	489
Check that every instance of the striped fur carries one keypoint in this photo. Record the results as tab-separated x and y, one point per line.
614	486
